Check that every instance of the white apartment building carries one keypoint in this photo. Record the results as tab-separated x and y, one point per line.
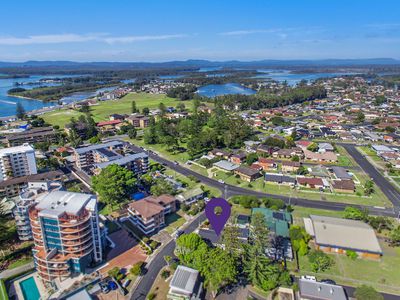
17	161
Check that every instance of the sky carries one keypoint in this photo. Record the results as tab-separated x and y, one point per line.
163	30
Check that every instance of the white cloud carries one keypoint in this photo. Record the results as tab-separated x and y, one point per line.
79	38
247	32
132	39
47	39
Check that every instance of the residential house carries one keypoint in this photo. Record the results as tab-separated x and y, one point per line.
343	186
191	196
225	166
220	153
247	174
312	182
336	235
267	164
238	158
320	157
279	179
325	147
340	172
290	166
314	290
138	120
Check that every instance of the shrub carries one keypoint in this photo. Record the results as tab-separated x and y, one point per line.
165	274
136	269
151	296
352	254
153	245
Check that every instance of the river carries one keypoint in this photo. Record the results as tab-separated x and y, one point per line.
8	103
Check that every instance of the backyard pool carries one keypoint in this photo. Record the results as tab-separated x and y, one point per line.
29	289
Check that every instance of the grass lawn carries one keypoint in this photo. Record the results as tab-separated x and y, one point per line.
344	158
101	111
160	287
20	262
162	150
174	221
383	274
302	212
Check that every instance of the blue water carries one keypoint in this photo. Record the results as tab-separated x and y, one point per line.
292	78
29	289
8	104
209	69
213	90
170	77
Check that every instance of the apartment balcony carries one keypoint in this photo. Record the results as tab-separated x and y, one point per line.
77	229
80	249
66	223
77	243
72	237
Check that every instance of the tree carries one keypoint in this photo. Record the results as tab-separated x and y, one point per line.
360	118
394	236
20	111
84	108
299	239
320	261
134	108
355	213
145	111
161	186
136	269
368	187
132	133
219	269
259	230
251	158
167	259
313	147
114	184
296	158
366	292
181	107
74	138
230	238
162	108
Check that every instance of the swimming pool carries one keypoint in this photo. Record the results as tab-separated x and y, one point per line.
29	289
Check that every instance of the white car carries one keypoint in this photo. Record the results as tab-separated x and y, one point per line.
308	277
221	181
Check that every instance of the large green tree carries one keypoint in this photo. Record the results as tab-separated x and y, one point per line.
114	184
299	239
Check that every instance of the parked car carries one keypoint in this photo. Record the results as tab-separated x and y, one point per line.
112	285
104	287
179	233
308	277
221	181
126	283
329	281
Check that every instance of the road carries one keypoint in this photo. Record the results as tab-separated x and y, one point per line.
230	190
387	188
158	263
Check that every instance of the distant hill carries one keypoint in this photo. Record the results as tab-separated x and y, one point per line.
201	63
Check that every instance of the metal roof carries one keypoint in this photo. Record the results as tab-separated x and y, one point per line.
184	279
98	146
123	160
319	290
345	234
58	202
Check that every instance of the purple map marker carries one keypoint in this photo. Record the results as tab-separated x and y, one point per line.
218	221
